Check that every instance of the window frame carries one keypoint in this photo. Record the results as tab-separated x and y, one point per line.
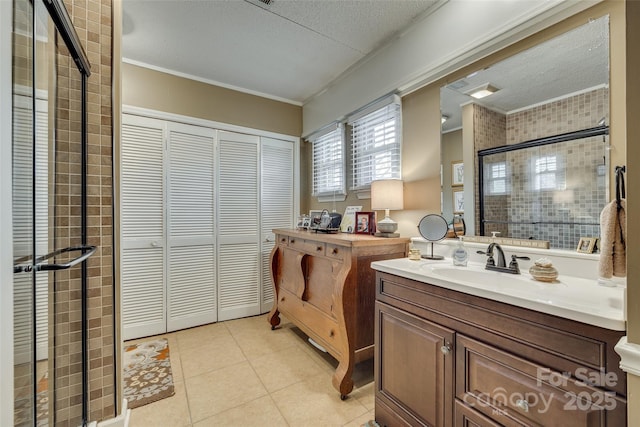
371	138
333	136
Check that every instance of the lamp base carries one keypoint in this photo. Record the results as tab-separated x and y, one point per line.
380	234
387	225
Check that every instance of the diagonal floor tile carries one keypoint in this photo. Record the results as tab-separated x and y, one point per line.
217	391
260	412
314	402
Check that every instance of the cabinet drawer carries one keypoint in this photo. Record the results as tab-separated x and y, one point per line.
282	240
465	416
514	391
336	252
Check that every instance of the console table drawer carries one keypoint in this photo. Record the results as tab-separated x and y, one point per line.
308	246
336	251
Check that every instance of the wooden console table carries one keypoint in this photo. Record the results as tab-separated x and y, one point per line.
324	284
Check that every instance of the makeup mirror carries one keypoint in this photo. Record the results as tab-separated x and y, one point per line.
433	228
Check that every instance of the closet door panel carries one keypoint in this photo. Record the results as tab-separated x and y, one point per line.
143	237
277	201
238	231
191	282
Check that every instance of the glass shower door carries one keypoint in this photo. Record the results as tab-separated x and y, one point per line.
49	219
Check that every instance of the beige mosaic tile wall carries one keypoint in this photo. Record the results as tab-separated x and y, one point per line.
578	112
93	22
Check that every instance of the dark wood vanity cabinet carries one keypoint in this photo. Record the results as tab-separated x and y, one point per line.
445	358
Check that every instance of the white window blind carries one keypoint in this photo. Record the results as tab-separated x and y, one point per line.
375	145
496	178
328	162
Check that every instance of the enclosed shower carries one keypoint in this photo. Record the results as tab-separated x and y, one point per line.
50	71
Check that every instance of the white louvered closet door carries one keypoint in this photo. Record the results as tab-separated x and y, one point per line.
277	200
143	236
238	231
191	233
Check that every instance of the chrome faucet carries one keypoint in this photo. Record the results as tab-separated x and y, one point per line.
501	265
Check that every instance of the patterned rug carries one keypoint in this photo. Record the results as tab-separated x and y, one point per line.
147	372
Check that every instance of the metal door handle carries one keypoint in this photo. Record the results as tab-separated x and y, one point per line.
40	265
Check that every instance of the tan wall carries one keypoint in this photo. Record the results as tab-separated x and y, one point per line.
143	87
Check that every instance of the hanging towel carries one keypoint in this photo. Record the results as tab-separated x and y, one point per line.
613	238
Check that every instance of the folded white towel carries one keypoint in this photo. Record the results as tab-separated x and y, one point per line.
613	238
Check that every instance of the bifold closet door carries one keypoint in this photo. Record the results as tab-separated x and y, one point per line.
191	281
277	202
143	227
238	226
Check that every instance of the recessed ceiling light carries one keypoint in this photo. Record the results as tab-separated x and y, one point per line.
482	91
444	118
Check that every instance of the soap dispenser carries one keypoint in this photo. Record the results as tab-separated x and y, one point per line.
460	255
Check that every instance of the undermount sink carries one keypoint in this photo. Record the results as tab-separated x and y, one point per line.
476	276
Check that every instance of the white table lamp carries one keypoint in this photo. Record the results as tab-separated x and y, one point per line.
387	194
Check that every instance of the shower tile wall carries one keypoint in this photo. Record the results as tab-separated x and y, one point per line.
576	203
578	112
489	130
92	20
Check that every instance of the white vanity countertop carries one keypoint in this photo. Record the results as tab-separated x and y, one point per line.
569	297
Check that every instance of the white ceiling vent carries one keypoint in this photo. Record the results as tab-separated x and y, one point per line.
261	3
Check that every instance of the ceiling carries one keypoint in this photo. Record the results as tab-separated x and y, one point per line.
567	64
288	50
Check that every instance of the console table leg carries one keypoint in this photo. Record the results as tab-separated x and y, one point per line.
274	318
342	378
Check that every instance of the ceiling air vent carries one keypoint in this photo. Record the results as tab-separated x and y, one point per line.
267	2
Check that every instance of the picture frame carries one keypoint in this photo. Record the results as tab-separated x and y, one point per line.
457	173
458	201
587	245
365	223
348	223
313	216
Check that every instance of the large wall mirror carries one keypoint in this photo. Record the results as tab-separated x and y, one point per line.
558	87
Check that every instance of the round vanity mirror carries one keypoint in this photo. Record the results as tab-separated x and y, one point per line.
433	228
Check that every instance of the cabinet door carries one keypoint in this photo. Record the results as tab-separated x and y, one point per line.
277	205
238	226
143	235
191	284
413	369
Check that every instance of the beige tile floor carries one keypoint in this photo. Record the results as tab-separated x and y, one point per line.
241	373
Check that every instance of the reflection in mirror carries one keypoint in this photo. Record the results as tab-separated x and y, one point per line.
556	87
551	189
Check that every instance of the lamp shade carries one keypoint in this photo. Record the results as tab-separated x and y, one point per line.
387	194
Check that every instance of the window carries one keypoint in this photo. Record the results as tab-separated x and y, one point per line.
375	143
547	175
328	163
496	178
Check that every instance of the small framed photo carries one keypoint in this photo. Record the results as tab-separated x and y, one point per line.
306	223
587	245
457	173
458	201
314	218
365	223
